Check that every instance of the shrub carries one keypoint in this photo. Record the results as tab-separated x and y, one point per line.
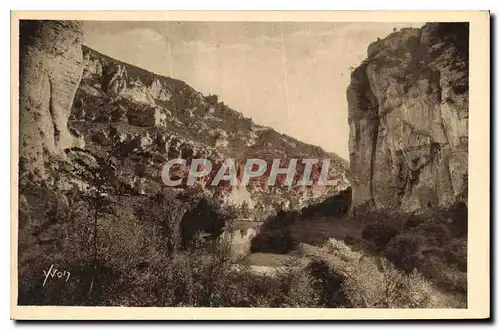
287	288
300	288
412	221
402	290
457	214
199	278
193	278
369	282
329	284
404	250
163	213
443	275
379	234
437	234
435	237
361	279
206	216
212	99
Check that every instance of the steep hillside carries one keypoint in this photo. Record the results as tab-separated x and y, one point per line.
141	120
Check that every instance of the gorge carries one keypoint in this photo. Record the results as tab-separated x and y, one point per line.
95	134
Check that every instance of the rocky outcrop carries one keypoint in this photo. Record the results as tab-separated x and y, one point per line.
146	117
138	92
408	119
158	91
112	78
51	67
93	67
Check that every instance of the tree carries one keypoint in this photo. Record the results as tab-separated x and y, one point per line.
212	100
164	212
99	173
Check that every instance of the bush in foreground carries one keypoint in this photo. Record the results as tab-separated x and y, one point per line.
368	282
434	242
136	267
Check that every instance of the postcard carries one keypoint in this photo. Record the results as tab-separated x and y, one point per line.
250	165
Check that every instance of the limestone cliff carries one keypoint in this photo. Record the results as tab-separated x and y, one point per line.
51	67
408	119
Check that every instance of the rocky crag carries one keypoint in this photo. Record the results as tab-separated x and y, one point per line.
408	118
51	67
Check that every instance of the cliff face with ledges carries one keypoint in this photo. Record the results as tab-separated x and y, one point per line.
51	67
408	118
143	120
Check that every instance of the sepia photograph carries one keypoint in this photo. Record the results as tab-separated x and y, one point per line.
254	163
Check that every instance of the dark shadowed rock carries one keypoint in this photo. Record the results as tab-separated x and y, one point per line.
379	234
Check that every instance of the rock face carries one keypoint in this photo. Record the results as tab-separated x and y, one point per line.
408	118
51	67
112	77
158	91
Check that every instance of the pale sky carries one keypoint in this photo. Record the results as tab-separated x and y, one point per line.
289	76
